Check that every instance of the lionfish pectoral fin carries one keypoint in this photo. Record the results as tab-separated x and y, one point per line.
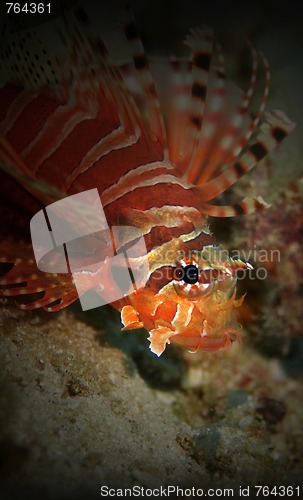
130	319
272	133
219	150
200	41
221	144
246	206
19	277
144	92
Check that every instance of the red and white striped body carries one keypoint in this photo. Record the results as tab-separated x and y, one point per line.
102	127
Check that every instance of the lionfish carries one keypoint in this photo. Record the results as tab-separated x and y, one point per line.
158	149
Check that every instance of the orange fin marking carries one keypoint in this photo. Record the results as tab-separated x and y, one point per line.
159	337
130	319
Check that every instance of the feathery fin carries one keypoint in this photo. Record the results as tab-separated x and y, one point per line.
272	132
246	206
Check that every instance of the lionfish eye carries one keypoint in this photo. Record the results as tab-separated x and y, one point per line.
192	281
189	274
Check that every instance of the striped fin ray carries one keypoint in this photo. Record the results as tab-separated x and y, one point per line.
272	132
227	125
147	99
176	103
212	126
245	138
200	40
53	299
144	99
188	145
85	54
225	144
96	80
242	138
61	297
246	206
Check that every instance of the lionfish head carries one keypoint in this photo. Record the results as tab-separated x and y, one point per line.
192	304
